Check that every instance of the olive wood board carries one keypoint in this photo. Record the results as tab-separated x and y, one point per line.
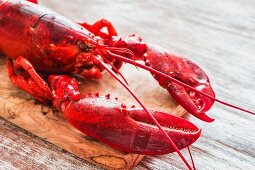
43	121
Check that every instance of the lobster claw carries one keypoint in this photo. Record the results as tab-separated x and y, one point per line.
187	72
129	130
179	68
109	121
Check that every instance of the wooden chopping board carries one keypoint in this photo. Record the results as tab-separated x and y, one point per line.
21	109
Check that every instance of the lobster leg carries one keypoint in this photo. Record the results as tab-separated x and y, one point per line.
96	30
33	1
98	26
29	80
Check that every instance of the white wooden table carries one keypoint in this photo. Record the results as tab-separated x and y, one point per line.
218	35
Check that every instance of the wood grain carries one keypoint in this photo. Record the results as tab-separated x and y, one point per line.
22	150
218	36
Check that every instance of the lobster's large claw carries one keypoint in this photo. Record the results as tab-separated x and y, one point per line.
109	121
187	72
129	130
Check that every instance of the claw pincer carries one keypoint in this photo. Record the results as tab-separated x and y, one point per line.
127	129
187	72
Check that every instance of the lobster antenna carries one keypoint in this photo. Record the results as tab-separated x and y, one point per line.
122	50
147	111
114	68
177	81
192	160
119	73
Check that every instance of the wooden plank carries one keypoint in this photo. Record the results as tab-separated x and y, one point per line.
22	150
19	108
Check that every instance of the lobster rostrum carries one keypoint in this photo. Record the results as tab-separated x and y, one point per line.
44	49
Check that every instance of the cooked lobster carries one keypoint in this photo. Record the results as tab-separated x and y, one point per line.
45	49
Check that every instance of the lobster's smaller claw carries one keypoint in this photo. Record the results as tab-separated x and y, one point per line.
187	72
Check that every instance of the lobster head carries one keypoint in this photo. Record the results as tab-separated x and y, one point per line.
89	55
81	54
66	47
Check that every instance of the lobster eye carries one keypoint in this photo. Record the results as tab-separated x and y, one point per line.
84	46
